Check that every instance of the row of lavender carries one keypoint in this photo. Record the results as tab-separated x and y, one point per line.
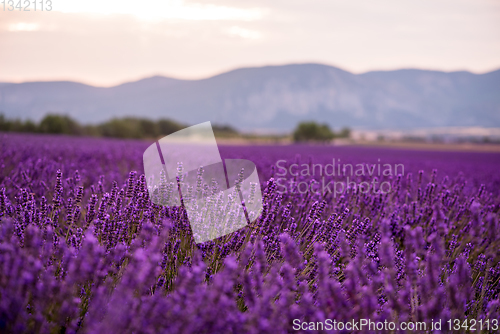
83	249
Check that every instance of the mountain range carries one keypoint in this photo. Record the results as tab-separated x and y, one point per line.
275	98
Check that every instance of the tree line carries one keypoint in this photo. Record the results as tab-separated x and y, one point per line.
127	127
312	131
134	127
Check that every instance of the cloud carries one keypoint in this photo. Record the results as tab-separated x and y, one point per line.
160	10
23	26
244	33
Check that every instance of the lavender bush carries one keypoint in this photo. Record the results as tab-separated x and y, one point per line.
83	249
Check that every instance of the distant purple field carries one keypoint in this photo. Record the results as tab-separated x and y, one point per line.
83	249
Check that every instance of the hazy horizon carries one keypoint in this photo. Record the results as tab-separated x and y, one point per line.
239	68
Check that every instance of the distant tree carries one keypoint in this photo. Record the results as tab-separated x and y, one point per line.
148	128
131	127
61	124
4	123
91	130
344	133
17	125
121	128
29	126
166	127
224	130
312	131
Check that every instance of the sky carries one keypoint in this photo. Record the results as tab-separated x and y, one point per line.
107	42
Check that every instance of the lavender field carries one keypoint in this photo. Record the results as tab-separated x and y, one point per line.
83	249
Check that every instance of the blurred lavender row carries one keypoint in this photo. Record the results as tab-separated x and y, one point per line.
83	248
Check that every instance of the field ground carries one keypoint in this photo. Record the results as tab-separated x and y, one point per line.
470	147
473	147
